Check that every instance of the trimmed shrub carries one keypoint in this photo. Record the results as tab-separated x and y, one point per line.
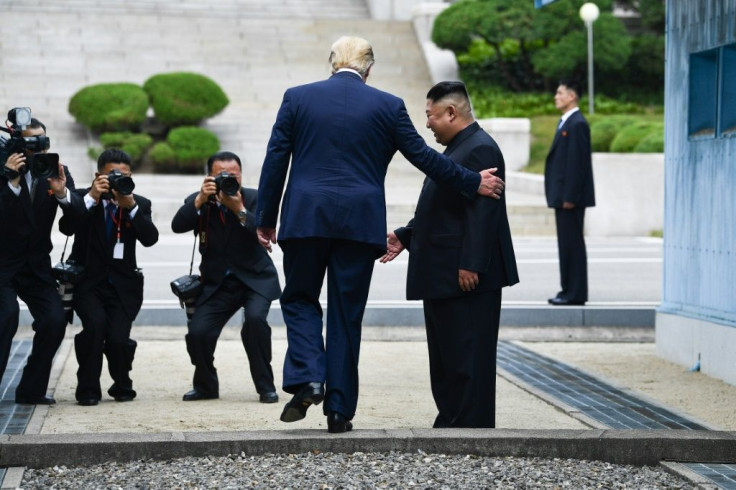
627	139
191	147
180	99
134	144
652	143
604	129
110	106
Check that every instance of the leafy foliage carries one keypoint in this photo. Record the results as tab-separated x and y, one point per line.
186	150
628	138
110	106
134	144
182	98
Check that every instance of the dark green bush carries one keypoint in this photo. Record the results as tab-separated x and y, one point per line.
627	139
110	106
604	129
190	146
134	144
652	143
180	99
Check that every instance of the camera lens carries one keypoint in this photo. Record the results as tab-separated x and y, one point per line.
123	184
45	165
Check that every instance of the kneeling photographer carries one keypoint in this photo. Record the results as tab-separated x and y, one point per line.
236	272
33	185
109	294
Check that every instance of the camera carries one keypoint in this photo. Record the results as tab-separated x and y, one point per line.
45	166
187	287
119	182
20	117
227	183
67	272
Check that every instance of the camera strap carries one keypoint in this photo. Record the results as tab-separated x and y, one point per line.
63	252
194	247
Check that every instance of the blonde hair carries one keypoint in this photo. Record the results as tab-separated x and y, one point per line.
352	52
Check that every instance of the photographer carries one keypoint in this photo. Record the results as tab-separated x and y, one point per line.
109	294
236	273
28	207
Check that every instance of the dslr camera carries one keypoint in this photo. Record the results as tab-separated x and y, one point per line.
42	165
123	184
227	183
67	272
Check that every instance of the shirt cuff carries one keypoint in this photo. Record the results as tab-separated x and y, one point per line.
133	211
14	190
65	199
89	201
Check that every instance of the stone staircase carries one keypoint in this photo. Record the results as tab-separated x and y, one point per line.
254	49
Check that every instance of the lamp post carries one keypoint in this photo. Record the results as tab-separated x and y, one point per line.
589	13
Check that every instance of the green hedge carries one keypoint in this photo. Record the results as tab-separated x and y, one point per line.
628	138
110	106
604	129
186	150
134	144
652	143
180	99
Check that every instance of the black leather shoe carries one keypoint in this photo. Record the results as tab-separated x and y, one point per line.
296	408
564	302
269	397
124	398
337	423
194	395
88	402
35	400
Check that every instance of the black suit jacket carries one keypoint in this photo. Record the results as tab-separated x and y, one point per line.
94	250
226	245
26	225
449	232
568	173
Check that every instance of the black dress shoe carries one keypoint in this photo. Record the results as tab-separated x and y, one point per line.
337	423
296	408
124	398
564	302
88	402
268	397
194	395
34	400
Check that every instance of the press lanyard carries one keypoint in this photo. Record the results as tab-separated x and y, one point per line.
117	222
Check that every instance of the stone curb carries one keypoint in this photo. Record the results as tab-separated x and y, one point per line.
636	447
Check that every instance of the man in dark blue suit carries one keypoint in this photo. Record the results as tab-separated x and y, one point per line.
28	206
568	184
461	255
340	135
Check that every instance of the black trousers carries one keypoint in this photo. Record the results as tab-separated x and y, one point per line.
207	323
462	334
572	254
105	330
49	324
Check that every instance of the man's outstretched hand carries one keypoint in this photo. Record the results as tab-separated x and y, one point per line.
490	185
393	248
266	236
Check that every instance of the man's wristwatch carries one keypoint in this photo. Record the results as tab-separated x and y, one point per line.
241	216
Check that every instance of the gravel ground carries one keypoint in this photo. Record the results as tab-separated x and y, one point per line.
358	470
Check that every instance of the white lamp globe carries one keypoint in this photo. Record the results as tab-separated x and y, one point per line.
589	12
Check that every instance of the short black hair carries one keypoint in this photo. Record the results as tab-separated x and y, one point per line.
222	156
573	85
443	89
36	124
112	155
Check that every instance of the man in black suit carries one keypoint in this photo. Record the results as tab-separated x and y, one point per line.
568	184
27	211
461	255
109	295
236	273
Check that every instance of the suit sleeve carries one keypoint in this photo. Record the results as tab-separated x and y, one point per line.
404	234
76	209
186	218
579	159
275	165
482	216
143	223
435	165
69	223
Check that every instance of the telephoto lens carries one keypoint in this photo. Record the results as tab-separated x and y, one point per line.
227	183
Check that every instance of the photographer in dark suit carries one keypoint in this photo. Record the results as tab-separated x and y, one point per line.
236	273
109	295
461	255
27	212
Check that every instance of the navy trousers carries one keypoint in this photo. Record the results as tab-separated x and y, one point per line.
334	360
572	253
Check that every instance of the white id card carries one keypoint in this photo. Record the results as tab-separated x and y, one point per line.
117	252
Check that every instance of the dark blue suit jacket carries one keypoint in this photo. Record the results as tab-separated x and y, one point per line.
568	173
340	135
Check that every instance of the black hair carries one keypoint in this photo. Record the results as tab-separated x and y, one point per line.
222	156
443	89
36	124
573	85
112	155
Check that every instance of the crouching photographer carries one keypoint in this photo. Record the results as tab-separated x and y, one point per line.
109	295
236	272
33	185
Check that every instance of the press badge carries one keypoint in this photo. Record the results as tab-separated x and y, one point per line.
117	252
